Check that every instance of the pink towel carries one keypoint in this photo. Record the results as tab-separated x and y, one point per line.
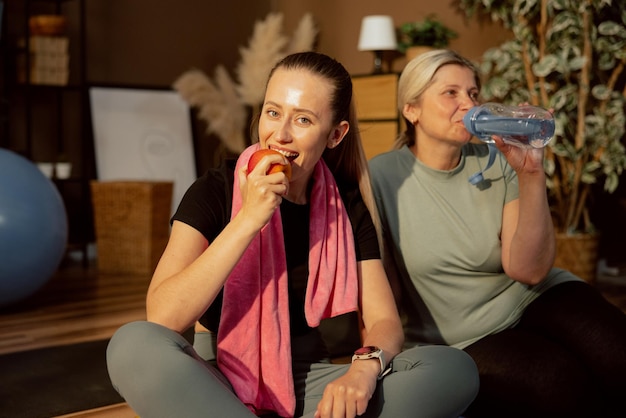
254	344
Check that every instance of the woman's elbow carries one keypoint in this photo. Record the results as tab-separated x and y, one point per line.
167	319
530	276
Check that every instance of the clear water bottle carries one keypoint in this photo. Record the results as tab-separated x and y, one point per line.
517	125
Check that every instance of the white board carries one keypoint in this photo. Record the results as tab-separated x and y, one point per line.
142	134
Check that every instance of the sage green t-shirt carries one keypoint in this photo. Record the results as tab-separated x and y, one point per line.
445	238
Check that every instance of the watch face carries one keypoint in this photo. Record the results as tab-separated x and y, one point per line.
366	350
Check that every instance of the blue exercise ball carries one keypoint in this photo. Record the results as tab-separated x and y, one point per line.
33	228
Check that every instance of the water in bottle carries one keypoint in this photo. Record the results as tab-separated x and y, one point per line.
517	125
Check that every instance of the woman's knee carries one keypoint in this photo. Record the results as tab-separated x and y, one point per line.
129	339
435	380
447	365
124	347
134	345
439	356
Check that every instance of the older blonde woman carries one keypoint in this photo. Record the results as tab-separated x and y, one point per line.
473	262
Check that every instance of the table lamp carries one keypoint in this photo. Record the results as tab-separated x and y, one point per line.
378	34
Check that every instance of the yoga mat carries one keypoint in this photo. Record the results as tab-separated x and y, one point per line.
54	381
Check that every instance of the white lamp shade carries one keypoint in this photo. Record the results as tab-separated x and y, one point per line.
377	34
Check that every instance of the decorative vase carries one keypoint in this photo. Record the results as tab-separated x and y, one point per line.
63	170
46	168
578	253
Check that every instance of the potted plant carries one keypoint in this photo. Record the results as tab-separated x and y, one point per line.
428	33
568	56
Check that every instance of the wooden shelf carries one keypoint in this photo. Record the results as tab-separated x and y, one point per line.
376	106
48	122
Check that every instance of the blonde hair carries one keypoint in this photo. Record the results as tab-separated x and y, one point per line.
417	76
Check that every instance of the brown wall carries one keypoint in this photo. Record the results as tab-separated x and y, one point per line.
340	22
151	42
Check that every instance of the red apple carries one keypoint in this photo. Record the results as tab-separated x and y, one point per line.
274	168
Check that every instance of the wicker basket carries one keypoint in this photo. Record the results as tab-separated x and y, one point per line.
131	220
578	254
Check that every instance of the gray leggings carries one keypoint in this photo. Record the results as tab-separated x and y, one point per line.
160	374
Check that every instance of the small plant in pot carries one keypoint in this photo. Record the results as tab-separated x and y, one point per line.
429	32
568	55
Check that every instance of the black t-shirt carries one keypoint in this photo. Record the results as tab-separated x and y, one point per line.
206	207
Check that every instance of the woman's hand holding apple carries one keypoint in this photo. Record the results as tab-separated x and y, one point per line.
261	190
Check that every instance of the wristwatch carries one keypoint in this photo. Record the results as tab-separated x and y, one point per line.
372	352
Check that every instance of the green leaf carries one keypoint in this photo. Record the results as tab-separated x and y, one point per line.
565	22
577	63
524	7
601	92
611	182
545	66
609	28
588	178
548	166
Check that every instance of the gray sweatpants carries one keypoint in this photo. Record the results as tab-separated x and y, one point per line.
159	374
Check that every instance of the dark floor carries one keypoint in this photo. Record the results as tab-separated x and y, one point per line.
611	281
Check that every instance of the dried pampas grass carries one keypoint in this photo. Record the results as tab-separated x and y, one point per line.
304	36
218	104
222	103
263	52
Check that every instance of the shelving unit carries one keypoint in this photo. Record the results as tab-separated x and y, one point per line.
4	69
49	120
